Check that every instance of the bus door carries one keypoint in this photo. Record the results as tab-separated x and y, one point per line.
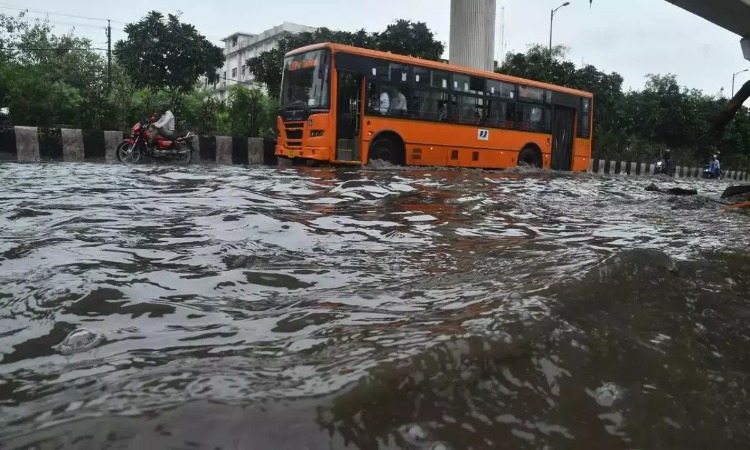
563	126
349	116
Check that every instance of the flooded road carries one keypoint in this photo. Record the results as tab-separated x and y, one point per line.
258	308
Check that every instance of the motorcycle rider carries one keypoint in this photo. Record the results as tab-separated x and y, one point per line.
667	157
715	165
665	164
164	126
5	123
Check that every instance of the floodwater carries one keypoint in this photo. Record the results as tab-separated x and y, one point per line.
299	308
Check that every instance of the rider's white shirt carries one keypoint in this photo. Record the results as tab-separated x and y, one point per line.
166	122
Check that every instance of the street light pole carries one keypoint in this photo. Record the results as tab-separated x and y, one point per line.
551	21
734	75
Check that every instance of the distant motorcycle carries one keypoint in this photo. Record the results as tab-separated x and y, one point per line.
136	147
5	123
711	172
665	168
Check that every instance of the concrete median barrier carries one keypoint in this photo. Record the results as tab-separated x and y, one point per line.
32	144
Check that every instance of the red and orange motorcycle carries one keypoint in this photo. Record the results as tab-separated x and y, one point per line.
136	148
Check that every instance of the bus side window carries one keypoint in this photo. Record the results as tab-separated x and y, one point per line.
379	98
510	114
453	109
469	109
498	114
401	104
529	117
373	99
536	118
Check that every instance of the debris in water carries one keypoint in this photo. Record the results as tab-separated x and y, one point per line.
733	191
414	433
607	394
672	191
79	340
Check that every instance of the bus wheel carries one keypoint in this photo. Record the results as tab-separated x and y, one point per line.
387	150
530	157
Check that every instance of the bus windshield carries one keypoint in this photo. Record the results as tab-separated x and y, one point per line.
306	80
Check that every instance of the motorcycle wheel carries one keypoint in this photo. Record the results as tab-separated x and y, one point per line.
127	153
184	158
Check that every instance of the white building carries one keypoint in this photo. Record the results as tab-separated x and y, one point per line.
239	47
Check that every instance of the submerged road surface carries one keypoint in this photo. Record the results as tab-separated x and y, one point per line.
235	308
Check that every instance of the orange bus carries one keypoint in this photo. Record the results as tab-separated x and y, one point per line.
349	105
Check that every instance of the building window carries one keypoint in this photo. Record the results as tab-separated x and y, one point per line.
234	73
234	41
244	69
225	74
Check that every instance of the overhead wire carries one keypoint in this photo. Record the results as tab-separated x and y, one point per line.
52	13
4	5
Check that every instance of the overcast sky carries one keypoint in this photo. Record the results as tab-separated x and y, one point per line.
632	37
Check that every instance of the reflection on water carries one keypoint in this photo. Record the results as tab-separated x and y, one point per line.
230	307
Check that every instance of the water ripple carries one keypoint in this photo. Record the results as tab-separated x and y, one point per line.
412	308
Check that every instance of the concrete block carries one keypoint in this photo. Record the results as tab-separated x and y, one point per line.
678	172
111	140
224	150
8	147
633	168
72	141
643	169
611	170
196	150
602	165
651	169
255	151
623	167
27	144
591	165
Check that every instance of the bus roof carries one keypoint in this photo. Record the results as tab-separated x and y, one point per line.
437	65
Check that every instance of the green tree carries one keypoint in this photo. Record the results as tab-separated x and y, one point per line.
536	64
249	111
36	100
409	38
163	53
49	79
401	37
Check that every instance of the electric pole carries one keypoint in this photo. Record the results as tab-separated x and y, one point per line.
109	56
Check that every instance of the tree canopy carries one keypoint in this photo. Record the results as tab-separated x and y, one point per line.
639	125
51	79
163	53
401	37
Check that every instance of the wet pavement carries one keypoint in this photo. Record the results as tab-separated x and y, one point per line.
233	307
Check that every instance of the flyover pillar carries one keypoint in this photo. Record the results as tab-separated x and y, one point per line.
472	40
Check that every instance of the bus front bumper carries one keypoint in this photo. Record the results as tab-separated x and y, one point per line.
316	153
